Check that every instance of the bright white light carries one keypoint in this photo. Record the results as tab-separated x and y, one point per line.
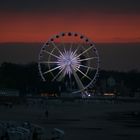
68	61
89	95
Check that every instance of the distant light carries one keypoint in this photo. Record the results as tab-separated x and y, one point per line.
109	94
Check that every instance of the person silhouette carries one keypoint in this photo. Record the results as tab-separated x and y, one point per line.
46	113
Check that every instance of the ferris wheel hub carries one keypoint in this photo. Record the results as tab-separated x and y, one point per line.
68	61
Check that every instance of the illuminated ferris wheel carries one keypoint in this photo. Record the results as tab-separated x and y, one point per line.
70	58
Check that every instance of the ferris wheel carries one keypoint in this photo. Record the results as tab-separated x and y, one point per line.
70	58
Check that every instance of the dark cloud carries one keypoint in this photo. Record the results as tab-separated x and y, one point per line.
29	5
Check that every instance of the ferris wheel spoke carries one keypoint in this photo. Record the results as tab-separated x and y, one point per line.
58	74
78	47
88	59
65	50
64	46
52	70
84	74
61	76
49	58
87	67
78	81
85	51
55	46
48	62
51	54
71	46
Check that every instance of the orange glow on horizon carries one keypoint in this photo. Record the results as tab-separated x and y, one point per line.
39	28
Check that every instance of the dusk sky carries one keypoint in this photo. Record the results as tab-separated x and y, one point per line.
101	20
104	21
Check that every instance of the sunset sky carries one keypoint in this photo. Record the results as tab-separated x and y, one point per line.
100	20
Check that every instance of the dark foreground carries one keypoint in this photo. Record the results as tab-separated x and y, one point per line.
80	120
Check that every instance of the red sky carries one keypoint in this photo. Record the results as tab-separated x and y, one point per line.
99	26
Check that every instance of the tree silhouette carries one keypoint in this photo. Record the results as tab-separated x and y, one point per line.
26	79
